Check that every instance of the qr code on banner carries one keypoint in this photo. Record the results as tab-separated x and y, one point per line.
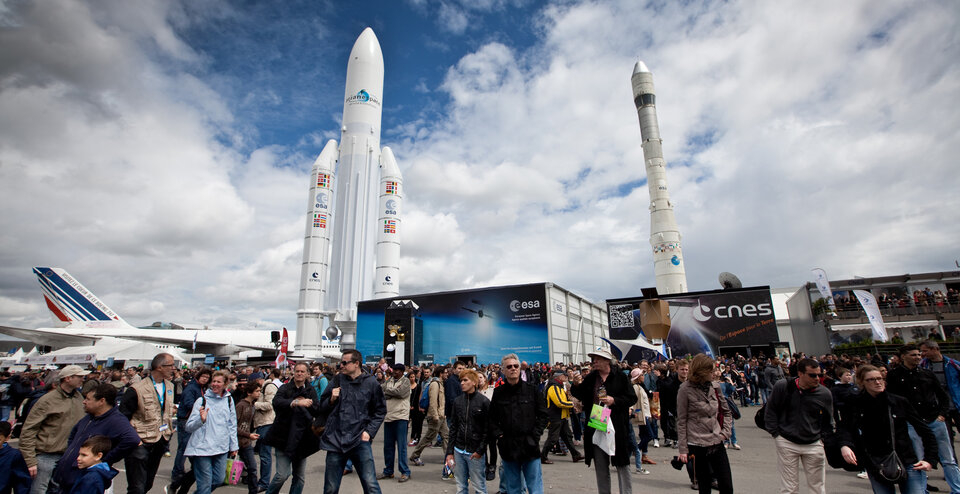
621	316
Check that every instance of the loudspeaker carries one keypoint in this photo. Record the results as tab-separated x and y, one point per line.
655	318
274	337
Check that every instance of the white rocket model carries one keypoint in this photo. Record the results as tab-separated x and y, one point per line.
664	233
360	185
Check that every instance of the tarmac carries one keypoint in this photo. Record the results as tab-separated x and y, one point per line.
754	470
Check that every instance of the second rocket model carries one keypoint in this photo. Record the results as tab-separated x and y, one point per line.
664	233
351	248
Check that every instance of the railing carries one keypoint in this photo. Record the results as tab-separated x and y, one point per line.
935	311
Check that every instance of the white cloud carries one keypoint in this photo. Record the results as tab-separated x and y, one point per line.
793	139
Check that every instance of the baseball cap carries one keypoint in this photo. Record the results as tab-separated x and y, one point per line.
71	370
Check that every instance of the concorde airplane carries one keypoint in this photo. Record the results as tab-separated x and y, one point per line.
86	320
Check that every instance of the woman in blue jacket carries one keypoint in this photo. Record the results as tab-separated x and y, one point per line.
213	433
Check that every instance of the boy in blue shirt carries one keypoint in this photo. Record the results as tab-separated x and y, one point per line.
95	475
14	476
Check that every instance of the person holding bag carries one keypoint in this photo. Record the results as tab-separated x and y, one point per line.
873	431
607	386
213	433
703	423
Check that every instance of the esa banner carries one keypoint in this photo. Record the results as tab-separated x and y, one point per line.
704	321
487	323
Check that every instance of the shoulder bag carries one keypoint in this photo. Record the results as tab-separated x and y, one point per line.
889	466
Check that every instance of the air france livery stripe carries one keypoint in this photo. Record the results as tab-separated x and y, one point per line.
69	296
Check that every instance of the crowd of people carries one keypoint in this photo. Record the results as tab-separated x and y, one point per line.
891	420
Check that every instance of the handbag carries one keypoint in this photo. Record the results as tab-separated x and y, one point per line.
889	466
734	410
233	471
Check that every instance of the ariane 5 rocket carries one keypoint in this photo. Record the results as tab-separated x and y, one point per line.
664	233
351	249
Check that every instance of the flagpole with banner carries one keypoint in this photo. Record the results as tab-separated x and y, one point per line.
282	356
823	285
869	304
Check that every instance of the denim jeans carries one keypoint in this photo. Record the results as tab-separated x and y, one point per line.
362	457
178	461
285	467
733	434
467	470
249	460
395	443
210	471
654	430
950	470
4	413
515	472
266	460
916	483
636	449
46	462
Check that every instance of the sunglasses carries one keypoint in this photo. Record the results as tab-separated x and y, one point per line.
512	366
814	375
344	362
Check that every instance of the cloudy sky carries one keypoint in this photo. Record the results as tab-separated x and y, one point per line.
160	150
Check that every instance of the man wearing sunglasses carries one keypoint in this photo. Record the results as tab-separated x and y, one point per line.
930	400
798	414
356	408
518	416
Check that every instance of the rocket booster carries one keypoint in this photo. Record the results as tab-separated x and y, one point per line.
365	195
388	243
664	233
316	250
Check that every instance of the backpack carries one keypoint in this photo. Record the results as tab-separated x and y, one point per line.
759	418
425	395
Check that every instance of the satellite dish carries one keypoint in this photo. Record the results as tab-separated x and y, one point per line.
332	333
729	281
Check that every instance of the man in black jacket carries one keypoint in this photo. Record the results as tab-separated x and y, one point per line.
468	437
356	408
798	415
607	386
921	388
296	404
518	415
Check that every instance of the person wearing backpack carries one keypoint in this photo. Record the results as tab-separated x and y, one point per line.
435	417
213	433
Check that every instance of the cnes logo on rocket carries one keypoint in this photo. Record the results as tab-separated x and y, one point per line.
517	305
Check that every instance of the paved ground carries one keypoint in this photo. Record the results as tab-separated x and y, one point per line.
754	471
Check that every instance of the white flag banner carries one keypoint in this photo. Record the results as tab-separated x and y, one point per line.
869	303
823	284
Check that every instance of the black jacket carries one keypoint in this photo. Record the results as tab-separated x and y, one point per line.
668	386
360	408
866	428
471	424
921	388
291	431
618	386
451	390
518	415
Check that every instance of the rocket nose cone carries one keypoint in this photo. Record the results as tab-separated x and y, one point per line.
640	67
367	46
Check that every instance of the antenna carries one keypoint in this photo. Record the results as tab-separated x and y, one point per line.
729	281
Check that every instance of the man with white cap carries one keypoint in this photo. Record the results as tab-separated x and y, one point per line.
47	428
606	386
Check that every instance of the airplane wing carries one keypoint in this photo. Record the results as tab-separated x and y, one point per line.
49	338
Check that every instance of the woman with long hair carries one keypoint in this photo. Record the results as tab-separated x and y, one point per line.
865	428
703	423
